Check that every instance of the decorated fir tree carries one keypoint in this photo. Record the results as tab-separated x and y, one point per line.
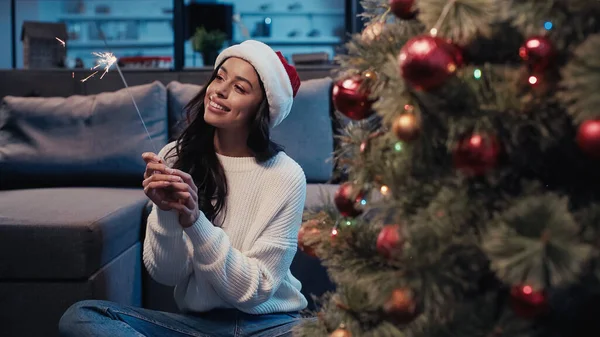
472	206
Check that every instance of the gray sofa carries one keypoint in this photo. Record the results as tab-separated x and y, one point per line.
72	211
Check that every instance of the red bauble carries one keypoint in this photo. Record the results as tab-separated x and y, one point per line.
307	229
350	100
527	302
476	154
344	202
390	240
403	9
538	52
588	138
426	62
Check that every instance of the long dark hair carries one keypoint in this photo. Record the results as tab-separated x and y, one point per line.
196	155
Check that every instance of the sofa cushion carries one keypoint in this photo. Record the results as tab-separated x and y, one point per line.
66	233
318	195
94	140
306	134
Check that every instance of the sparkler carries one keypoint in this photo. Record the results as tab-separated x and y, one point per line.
107	60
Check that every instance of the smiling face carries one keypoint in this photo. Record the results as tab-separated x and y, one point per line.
234	96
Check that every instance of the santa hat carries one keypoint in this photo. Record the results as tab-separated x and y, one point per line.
280	79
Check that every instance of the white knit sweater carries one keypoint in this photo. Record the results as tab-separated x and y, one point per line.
244	264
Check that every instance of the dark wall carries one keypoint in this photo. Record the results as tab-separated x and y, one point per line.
64	83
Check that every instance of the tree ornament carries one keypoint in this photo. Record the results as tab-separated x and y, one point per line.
308	229
426	62
403	9
526	302
390	241
341	332
372	31
406	127
538	52
401	306
344	201
370	75
476	154
350	99
588	138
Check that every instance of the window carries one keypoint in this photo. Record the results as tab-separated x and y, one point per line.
144	33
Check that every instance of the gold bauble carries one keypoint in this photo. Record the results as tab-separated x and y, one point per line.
406	127
341	332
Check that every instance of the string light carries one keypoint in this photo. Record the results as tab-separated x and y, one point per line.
384	190
548	25
477	73
533	80
398	146
334	231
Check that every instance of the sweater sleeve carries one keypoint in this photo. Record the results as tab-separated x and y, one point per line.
166	254
248	279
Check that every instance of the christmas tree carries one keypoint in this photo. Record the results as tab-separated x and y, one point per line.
472	151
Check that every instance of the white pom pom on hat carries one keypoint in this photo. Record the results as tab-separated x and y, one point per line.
280	79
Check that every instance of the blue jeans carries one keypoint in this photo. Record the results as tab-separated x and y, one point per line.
102	318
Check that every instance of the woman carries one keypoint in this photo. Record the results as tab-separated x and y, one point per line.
227	209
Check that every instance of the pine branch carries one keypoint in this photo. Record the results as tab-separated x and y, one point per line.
494	87
352	252
393	96
535	241
465	20
310	328
571	20
349	155
529	16
589	220
373	10
334	311
581	80
478	318
583	5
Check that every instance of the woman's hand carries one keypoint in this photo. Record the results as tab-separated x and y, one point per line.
157	180
171	189
187	194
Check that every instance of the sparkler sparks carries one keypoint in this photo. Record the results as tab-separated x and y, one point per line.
105	60
61	41
87	78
